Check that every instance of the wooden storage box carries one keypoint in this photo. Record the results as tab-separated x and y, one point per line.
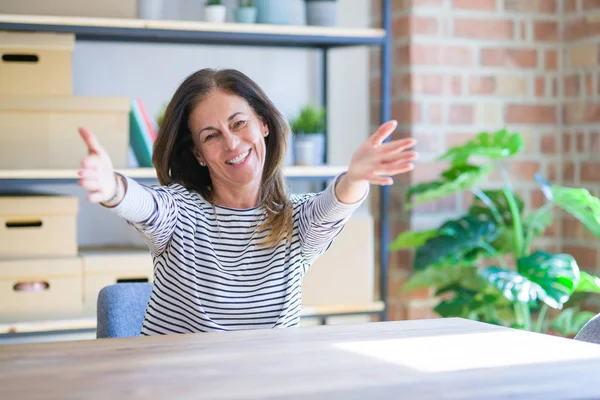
42	132
40	289
36	63
76	8
109	266
38	226
344	274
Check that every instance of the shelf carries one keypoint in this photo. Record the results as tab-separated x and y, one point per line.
153	31
70	175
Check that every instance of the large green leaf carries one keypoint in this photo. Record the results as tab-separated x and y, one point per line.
556	274
536	223
588	283
411	239
578	202
514	286
458	241
499	145
570	321
444	275
497	198
456	179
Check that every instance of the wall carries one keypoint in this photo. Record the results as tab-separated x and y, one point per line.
465	66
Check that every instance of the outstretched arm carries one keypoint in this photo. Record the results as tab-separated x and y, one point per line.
151	211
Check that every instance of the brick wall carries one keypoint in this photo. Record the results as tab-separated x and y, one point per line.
464	66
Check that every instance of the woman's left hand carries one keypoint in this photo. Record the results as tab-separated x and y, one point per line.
376	162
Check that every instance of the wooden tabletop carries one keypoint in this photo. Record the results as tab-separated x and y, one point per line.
429	359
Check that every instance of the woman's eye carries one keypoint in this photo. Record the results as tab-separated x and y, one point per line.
210	136
239	124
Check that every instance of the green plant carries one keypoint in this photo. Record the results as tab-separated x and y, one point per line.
311	120
484	265
214	3
245	3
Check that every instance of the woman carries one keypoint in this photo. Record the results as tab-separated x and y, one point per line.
230	246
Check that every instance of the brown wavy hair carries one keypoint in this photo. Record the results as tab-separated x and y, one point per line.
175	162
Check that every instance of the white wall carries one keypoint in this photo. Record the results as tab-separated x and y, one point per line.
290	77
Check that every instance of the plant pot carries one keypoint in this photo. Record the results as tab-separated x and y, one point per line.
321	12
273	12
150	9
215	14
245	15
309	149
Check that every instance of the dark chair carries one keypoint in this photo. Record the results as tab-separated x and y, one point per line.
121	309
590	331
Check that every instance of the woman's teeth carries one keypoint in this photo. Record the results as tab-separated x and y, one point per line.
239	158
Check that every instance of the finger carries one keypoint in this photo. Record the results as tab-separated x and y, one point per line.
89	173
90	184
397	145
398	157
396	169
90	140
383	132
380	180
91	162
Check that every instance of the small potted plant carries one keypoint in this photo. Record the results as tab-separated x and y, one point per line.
309	136
246	12
214	11
321	12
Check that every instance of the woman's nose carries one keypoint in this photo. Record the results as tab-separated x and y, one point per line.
231	141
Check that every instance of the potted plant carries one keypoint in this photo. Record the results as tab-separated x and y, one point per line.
214	11
273	12
484	265
309	136
246	12
321	12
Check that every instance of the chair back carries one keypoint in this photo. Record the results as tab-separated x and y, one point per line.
121	309
590	331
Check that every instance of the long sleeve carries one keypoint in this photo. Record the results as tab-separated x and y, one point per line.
151	211
322	218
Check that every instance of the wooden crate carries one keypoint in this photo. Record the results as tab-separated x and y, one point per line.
103	267
344	274
40	289
36	63
38	226
42	132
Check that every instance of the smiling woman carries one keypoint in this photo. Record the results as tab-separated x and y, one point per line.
230	245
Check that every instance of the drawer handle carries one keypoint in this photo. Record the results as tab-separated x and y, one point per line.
129	280
36	223
24	58
31	286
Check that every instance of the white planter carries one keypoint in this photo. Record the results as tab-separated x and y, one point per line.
150	9
309	149
321	12
215	14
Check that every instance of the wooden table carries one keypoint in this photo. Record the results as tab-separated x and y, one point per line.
429	359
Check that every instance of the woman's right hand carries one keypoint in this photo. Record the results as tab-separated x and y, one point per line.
96	174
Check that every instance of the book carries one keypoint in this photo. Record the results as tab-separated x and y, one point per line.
139	136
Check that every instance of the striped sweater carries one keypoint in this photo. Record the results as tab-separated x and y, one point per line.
211	274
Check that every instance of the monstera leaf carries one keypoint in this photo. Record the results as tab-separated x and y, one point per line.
513	286
588	283
570	321
444	275
497	202
455	179
556	274
457	241
499	145
411	239
578	202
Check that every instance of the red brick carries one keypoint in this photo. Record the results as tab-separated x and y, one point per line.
540	86
445	204
530	114
484	84
420	311
462	113
590	171
586	257
571	85
427	84
523	33
566	142
594	143
591	5
580	142
570	6
406	112
572	228
510	58
568	171
551	60
523	170
589	85
478	5
545	31
458	139
402	57
436	113
552	172
405	26
533	6
478	28
548	144
427	143
582	27
446	55
428	172
456	84
581	112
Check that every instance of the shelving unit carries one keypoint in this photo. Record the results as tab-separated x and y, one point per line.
201	33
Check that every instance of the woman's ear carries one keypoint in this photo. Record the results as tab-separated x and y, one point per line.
199	157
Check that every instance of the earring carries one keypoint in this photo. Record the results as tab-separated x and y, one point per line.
266	133
202	163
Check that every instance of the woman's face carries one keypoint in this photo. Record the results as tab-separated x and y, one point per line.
229	139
